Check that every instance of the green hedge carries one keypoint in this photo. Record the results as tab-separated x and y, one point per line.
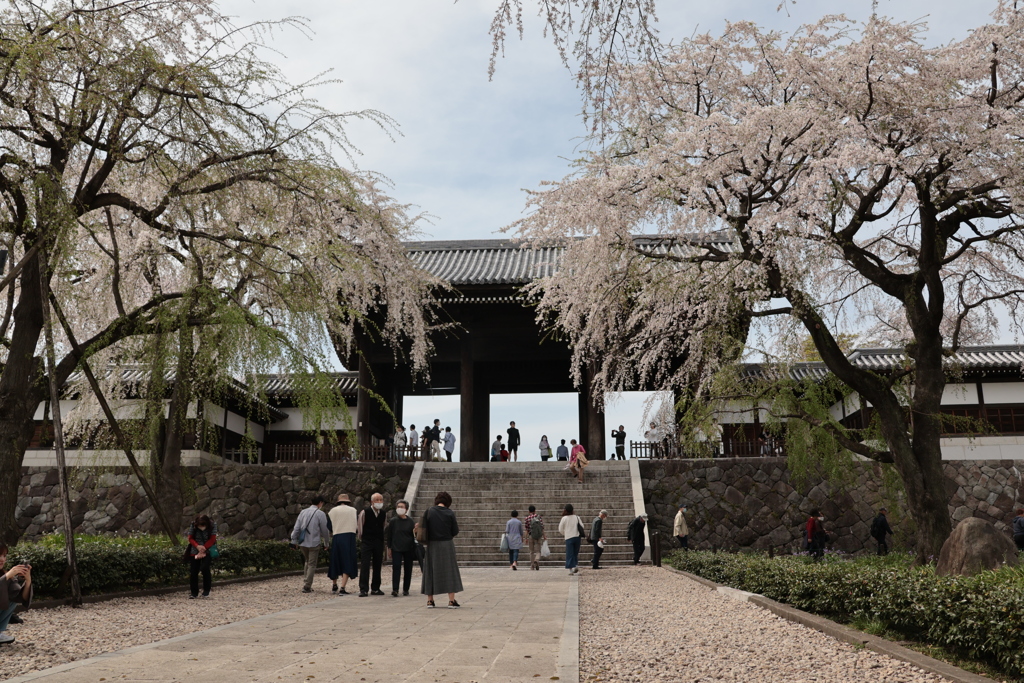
107	565
980	617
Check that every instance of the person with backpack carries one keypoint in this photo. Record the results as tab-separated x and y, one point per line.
310	532
571	528
534	526
597	538
879	529
635	534
1018	530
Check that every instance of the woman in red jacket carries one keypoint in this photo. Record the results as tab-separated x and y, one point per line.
202	539
816	536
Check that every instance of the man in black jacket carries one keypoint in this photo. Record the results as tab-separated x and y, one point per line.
879	528
513	441
597	538
370	528
400	542
635	534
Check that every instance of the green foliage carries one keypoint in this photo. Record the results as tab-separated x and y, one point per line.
107	565
980	617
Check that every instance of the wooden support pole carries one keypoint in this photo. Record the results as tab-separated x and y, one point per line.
58	440
468	446
115	426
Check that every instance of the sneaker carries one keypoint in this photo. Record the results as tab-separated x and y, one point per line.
5	639
405	593
363	594
305	590
394	594
16	619
192	597
205	595
342	591
334	588
575	570
377	592
454	605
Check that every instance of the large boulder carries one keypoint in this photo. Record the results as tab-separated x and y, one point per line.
975	546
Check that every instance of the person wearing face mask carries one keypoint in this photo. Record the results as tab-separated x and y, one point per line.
343	544
370	529
679	528
401	545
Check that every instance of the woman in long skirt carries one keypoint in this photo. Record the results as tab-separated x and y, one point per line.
343	544
440	568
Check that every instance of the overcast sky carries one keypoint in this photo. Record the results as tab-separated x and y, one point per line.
466	147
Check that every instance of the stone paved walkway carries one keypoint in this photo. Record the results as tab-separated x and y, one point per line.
513	627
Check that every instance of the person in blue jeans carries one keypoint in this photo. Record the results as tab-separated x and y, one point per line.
15	589
514	535
570	526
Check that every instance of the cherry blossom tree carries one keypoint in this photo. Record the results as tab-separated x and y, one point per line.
842	174
163	178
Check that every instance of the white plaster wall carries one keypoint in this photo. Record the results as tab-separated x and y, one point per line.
983	448
961	395
1003	392
107	458
296	422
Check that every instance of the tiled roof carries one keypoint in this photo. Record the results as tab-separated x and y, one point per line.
283	385
968	357
509	262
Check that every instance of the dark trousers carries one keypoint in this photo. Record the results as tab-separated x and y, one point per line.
883	547
1019	540
400	559
196	566
598	551
372	550
684	542
620	452
638	550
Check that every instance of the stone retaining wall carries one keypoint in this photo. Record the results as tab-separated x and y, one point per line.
246	501
733	503
754	502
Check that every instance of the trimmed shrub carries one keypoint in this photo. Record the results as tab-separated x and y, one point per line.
980	617
109	565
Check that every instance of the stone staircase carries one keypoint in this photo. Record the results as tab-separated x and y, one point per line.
484	494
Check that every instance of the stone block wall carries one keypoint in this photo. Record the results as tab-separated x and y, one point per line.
246	501
755	503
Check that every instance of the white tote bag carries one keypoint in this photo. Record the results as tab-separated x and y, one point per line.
545	551
503	546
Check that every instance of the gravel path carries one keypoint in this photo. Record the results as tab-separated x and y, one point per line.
647	624
55	636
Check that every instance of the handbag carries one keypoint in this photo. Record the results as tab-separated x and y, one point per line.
503	545
214	552
421	530
186	557
545	550
579	528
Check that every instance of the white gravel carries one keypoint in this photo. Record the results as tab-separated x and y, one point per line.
646	624
51	637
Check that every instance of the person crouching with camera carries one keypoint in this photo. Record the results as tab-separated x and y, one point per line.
15	589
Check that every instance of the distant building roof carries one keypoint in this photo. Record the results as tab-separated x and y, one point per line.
510	262
884	360
282	386
968	357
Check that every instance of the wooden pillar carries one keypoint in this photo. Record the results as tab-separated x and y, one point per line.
584	413
481	399
467	403
594	435
363	403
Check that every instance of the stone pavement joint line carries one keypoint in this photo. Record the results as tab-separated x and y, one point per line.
511	628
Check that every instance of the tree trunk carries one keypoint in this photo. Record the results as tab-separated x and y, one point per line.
169	473
21	390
